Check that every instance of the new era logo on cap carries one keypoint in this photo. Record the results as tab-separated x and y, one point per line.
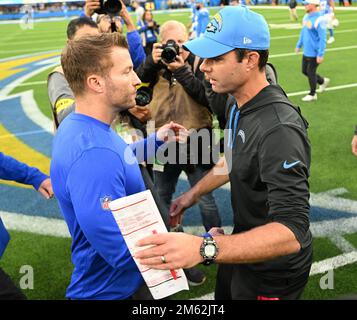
231	28
246	40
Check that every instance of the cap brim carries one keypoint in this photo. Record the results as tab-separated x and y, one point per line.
204	47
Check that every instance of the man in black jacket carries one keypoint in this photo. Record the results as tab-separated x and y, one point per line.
269	254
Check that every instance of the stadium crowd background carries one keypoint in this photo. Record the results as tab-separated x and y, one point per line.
13	9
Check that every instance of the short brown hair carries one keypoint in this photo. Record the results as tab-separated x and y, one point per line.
263	56
89	54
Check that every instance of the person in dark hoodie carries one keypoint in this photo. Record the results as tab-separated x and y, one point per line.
267	160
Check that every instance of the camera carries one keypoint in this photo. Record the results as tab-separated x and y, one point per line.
143	96
155	26
111	7
170	51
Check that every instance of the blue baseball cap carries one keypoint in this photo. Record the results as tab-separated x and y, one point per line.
231	28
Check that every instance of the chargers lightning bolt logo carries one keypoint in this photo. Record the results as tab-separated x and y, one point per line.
215	24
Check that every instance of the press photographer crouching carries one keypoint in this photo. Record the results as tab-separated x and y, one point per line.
179	95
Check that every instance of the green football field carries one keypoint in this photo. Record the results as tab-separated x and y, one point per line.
333	171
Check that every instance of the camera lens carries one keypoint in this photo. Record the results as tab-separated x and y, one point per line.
169	54
143	96
170	51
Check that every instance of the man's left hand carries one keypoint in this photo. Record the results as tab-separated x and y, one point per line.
354	145
319	60
45	188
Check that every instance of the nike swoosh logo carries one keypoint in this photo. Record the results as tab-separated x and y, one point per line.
289	165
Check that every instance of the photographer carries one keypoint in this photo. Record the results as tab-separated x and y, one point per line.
111	21
60	94
148	28
178	95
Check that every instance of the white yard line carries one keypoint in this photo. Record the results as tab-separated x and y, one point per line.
33	112
281	55
345	86
35	224
316	268
298	35
333	263
340	242
26	84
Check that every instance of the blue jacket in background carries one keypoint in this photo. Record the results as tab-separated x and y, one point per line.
136	49
150	33
313	35
11	169
202	20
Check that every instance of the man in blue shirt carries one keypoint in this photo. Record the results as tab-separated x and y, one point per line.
202	15
91	165
11	169
327	8
313	40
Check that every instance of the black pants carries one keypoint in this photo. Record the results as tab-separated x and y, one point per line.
8	290
237	282
309	67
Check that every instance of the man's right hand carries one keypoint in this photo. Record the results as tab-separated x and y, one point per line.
156	52
90	7
354	145
178	206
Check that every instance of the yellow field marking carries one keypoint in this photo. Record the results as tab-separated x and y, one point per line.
6	68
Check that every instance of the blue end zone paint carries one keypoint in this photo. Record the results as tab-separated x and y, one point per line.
14	119
29	202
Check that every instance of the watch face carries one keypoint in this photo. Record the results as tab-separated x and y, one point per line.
210	250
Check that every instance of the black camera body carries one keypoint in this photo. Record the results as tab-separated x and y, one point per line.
143	96
111	7
155	26
170	51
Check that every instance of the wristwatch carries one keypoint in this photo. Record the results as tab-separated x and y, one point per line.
208	250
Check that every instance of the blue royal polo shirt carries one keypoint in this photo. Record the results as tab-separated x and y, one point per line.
91	165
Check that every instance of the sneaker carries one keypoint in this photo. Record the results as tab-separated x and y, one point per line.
309	98
323	86
195	277
331	40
